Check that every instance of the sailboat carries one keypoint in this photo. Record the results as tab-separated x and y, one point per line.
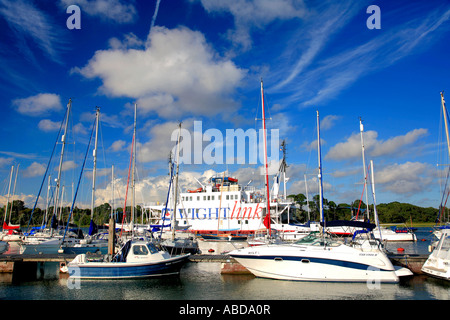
10	233
441	225
94	242
137	258
380	233
320	257
177	242
438	263
48	240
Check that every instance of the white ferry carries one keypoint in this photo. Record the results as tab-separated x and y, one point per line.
224	206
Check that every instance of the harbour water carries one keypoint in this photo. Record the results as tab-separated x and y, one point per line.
204	281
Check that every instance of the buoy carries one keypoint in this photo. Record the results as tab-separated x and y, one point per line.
400	249
424	240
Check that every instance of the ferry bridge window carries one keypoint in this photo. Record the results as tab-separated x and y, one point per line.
209	197
190	198
198	198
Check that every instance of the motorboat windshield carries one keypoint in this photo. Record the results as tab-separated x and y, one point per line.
313	239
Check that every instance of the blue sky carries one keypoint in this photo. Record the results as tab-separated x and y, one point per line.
196	60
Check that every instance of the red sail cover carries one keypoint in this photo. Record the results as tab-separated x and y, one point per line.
267	221
7	227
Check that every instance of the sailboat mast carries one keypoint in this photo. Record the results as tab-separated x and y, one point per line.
9	189
307	198
44	220
265	158
97	116
319	155
14	192
176	185
133	175
63	140
444	111
112	192
374	200
361	129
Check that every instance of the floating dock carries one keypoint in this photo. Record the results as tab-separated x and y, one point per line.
413	262
23	262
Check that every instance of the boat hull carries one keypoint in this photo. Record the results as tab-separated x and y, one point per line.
321	265
437	264
124	270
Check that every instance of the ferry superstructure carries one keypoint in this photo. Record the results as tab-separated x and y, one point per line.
226	206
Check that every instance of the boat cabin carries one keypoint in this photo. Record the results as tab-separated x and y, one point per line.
140	251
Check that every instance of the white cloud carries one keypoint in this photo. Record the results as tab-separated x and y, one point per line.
328	122
38	105
5	161
68	165
316	30
118	145
394	144
311	77
160	145
254	14
406	178
351	148
35	169
49	125
108	10
177	73
26	21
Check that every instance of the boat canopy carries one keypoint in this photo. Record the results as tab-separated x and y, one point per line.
122	255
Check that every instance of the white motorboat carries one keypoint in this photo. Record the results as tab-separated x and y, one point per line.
321	258
387	234
316	258
438	263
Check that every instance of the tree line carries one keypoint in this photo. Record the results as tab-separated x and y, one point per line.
19	214
393	212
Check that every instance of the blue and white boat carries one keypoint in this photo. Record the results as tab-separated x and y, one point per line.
136	259
318	257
